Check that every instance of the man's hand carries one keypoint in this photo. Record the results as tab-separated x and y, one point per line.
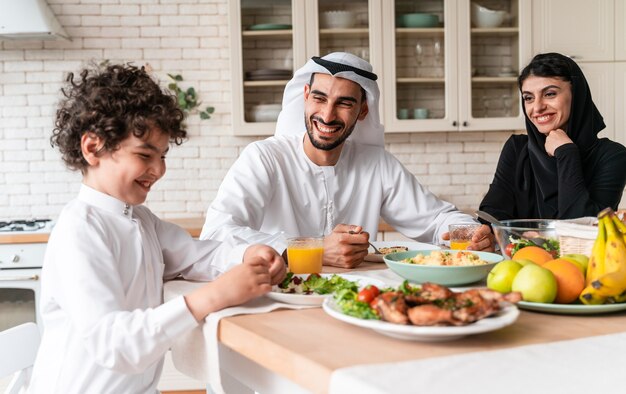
276	263
555	139
346	246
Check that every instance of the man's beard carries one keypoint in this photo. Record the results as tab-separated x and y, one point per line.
330	145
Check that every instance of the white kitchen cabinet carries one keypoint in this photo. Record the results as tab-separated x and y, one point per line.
581	29
466	79
471	84
620	103
620	30
601	79
593	34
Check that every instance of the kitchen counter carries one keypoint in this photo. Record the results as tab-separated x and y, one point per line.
192	225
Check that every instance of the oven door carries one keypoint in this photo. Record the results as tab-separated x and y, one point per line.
19	297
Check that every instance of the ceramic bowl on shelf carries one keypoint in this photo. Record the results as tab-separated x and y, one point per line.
484	17
337	19
265	112
418	19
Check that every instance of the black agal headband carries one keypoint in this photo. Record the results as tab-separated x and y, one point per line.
335	68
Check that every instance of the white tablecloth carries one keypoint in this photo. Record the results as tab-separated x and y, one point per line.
586	365
196	353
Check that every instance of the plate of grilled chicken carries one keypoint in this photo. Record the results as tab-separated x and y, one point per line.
433	312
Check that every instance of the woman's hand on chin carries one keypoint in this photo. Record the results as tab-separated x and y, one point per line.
555	139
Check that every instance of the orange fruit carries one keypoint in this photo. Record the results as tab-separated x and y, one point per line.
533	253
570	280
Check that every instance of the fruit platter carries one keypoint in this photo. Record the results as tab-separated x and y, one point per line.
569	283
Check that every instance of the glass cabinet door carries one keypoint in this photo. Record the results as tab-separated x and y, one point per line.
267	39
343	27
495	61
421	75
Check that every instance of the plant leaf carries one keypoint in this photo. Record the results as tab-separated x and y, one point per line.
204	115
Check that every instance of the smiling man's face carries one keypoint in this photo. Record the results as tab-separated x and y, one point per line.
332	106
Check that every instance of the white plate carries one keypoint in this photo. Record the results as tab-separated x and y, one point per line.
318	299
412	245
505	317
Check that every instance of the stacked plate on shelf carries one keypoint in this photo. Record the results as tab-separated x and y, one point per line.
268	74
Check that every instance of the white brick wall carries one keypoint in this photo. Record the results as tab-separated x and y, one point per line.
178	36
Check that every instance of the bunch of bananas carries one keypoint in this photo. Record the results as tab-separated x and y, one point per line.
606	273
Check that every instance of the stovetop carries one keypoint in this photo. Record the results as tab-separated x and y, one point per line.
26	226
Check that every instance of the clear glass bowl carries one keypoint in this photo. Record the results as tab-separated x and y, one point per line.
539	232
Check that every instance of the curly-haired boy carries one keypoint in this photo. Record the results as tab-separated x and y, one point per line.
106	328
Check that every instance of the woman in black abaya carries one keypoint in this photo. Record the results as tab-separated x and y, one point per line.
561	169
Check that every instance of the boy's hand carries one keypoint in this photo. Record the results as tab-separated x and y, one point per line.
246	281
277	266
236	286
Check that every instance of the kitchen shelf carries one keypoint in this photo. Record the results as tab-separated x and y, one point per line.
420	80
434	31
494	79
357	31
265	83
496	31
265	33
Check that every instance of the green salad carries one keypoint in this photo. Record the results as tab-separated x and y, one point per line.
315	283
357	303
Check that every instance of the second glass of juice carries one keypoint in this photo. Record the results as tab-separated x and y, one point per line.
304	255
461	235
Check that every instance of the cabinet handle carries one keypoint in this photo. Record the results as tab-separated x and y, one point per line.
454	123
18	278
465	124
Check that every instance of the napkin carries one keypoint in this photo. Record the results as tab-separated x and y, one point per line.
196	354
582	365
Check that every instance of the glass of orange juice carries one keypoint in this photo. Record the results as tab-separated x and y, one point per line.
304	254
461	235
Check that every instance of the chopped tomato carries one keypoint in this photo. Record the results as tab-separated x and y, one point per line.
367	294
509	249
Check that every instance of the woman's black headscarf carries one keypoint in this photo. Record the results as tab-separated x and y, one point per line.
583	126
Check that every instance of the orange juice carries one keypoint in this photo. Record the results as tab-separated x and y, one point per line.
305	259
459	244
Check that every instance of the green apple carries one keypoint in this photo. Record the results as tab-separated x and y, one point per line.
537	284
501	276
525	262
580	259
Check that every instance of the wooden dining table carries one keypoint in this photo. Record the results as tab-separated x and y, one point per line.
301	349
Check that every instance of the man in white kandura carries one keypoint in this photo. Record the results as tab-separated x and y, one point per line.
326	172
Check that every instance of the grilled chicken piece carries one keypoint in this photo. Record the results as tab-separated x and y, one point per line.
429	293
391	307
513	297
472	306
430	315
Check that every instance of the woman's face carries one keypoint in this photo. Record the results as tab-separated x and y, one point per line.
547	102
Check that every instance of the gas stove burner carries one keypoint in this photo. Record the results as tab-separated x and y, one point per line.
23	225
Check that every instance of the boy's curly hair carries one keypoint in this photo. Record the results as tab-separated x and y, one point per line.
113	101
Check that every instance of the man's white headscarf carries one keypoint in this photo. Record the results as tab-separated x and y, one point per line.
338	64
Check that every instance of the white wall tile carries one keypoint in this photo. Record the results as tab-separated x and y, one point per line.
189	37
